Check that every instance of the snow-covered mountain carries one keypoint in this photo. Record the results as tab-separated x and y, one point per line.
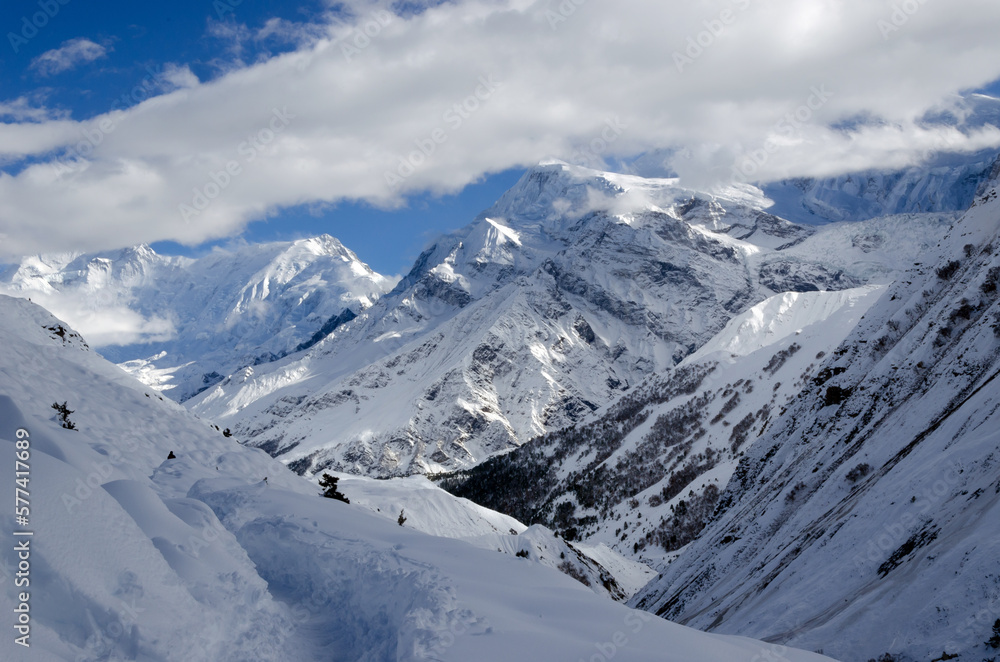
877	488
944	181
947	183
155	537
646	476
575	287
822	473
181	324
941	181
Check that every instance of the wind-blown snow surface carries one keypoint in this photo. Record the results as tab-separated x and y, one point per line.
180	325
575	287
788	314
869	515
197	558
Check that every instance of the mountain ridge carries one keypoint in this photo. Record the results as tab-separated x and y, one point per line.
574	287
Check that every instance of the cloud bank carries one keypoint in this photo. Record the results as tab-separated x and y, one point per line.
384	106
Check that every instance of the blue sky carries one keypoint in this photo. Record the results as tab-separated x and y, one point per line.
192	123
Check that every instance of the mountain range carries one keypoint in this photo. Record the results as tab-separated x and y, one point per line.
575	287
681	399
182	324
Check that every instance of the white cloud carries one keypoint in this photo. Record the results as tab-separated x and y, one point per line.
22	109
100	323
234	35
289	32
68	56
178	77
350	105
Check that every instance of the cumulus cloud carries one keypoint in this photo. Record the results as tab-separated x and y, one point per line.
382	106
116	326
68	56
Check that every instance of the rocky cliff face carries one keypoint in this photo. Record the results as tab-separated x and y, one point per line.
646	475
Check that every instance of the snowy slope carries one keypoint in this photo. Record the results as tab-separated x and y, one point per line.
179	324
575	287
426	507
788	314
197	558
869	512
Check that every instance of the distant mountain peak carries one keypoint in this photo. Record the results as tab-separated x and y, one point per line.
187	322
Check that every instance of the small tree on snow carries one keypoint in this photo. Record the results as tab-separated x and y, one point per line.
63	412
330	491
994	641
401	520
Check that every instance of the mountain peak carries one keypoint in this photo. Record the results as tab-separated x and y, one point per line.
553	190
329	244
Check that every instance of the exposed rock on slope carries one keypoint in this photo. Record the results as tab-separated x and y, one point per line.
645	477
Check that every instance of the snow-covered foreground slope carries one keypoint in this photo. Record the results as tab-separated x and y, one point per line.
869	513
574	288
180	324
196	557
428	508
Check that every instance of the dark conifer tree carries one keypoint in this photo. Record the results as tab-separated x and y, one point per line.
330	491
